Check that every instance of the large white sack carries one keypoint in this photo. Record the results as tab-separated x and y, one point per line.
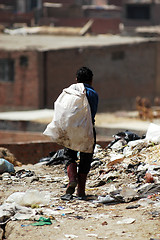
72	123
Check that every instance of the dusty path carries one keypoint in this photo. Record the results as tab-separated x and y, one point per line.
78	219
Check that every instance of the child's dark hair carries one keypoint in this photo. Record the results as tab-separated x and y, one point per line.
84	75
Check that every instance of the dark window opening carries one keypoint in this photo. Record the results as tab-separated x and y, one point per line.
23	61
140	12
119	55
33	4
6	70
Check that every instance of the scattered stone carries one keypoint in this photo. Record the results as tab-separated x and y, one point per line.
126	221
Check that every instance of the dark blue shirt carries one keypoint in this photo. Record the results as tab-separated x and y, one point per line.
92	97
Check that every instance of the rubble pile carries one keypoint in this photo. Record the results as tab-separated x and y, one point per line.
127	165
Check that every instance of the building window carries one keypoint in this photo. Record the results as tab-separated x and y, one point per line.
34	4
6	70
23	61
139	12
118	55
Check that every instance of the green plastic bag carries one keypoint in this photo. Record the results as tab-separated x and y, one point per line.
42	221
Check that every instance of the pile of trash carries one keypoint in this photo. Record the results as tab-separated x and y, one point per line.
129	167
32	205
127	170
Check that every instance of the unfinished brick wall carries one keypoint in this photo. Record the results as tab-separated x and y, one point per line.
99	26
32	152
121	72
8	18
24	89
19	136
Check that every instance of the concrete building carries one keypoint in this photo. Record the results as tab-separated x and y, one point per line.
141	13
69	13
35	69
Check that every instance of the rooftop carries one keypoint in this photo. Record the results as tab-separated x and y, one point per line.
53	42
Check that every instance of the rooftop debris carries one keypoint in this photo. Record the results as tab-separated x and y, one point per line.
51	30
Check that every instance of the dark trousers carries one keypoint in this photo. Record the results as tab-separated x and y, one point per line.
85	158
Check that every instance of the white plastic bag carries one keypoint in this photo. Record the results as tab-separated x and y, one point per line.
153	133
6	166
72	124
29	198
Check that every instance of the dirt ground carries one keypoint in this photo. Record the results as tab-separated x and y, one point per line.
78	219
75	219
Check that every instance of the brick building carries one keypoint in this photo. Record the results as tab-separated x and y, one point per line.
35	69
77	13
69	13
20	12
19	79
115	2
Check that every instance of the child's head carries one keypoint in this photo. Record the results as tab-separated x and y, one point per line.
84	75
